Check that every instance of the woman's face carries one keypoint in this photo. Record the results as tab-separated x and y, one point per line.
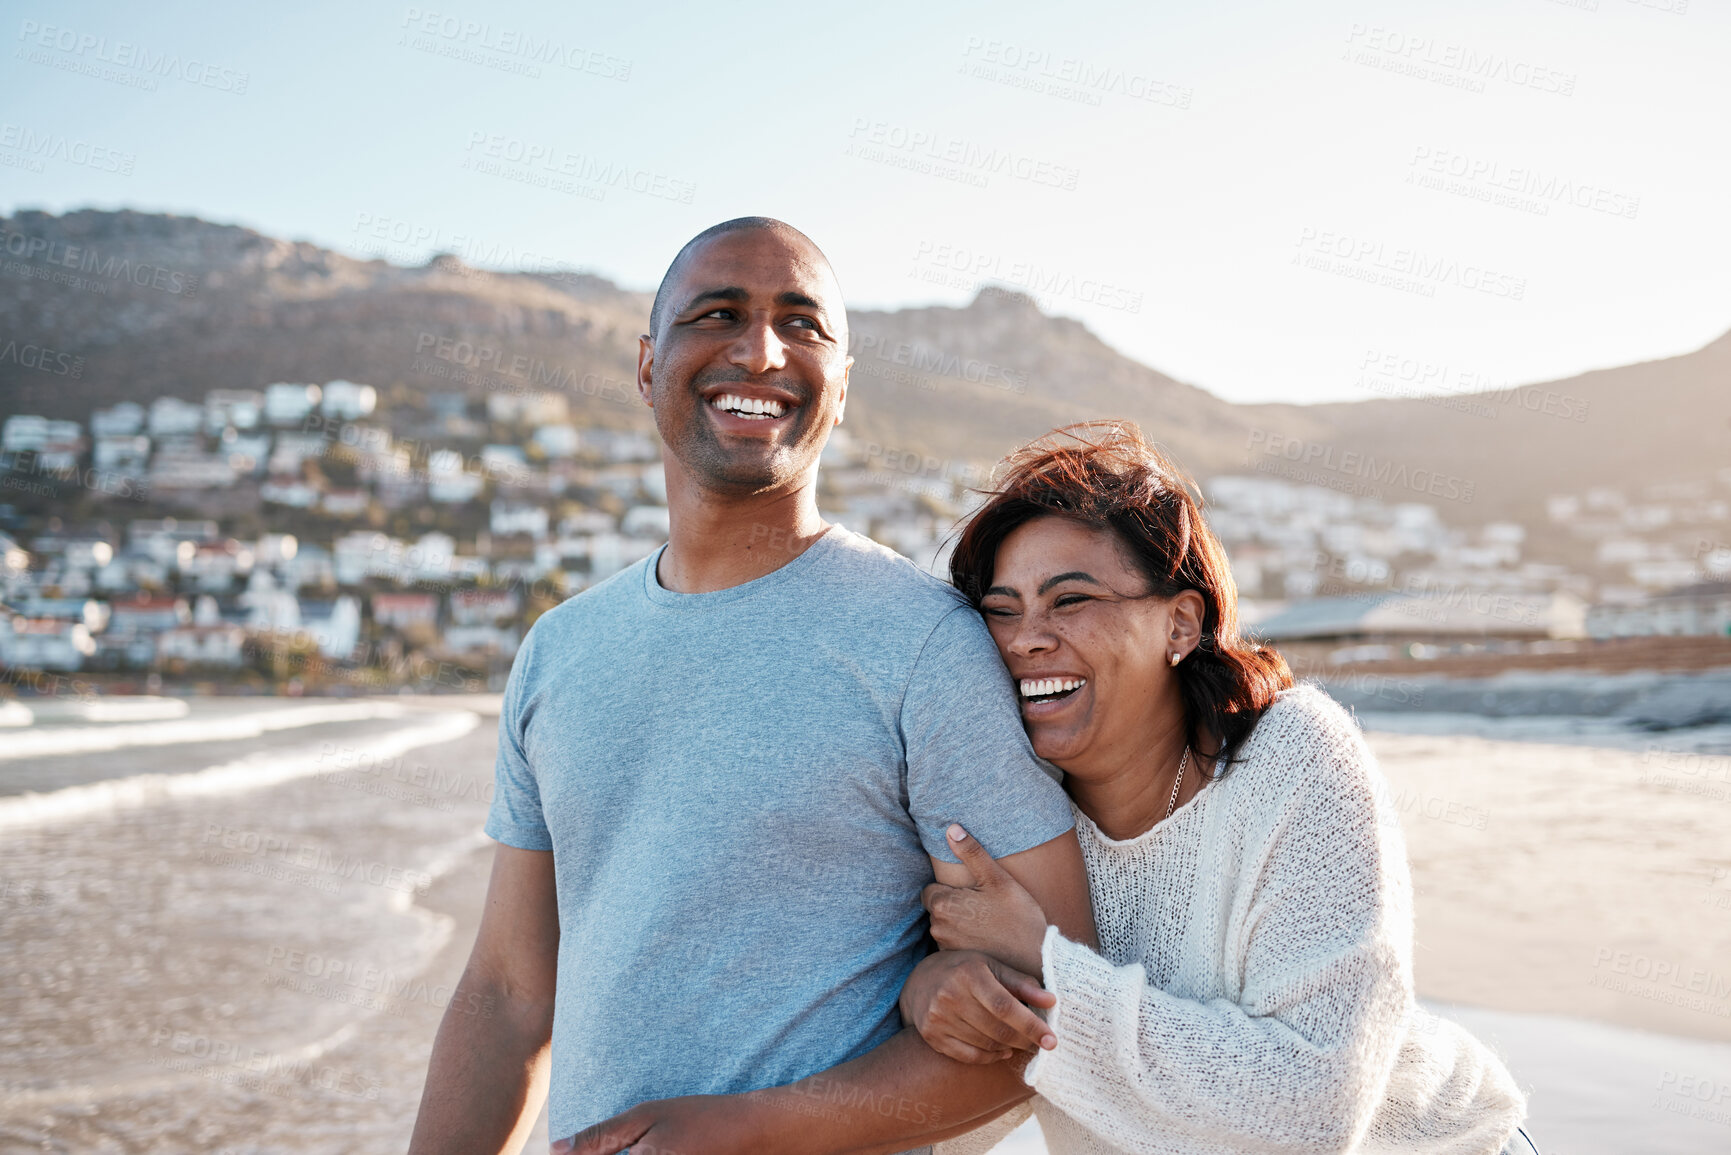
1088	647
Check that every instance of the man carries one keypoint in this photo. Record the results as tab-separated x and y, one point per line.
726	773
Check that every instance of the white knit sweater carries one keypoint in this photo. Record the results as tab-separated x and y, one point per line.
1253	989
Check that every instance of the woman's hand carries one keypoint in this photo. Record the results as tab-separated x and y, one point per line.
968	1006
995	916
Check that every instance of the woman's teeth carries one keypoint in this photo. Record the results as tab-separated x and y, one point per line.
1050	687
753	409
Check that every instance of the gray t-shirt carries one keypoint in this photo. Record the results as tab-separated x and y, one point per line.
740	790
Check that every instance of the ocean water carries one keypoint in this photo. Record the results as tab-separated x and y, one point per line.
223	945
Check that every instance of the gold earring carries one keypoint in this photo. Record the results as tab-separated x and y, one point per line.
1177	657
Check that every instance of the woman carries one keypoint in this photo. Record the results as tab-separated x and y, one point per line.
1253	988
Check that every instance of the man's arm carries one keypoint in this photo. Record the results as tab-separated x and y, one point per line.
902	1094
489	1069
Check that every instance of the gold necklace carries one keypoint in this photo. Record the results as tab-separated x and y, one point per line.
1173	801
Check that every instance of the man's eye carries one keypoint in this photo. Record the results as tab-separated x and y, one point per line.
998	611
1072	600
805	321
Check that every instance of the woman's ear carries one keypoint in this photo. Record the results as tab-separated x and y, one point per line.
1188	611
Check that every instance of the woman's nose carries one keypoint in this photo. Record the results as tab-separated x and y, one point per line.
1032	636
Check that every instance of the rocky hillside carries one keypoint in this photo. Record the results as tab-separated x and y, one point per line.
134	305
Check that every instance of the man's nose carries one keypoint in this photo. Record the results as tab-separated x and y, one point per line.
759	349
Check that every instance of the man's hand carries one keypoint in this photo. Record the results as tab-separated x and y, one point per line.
692	1125
968	1007
995	916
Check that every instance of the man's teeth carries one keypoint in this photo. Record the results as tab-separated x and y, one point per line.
1045	687
760	409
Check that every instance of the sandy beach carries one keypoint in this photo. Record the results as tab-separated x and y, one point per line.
241	940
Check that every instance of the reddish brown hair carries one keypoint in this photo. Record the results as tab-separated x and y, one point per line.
1104	475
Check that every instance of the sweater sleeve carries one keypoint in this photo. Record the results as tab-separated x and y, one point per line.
1318	939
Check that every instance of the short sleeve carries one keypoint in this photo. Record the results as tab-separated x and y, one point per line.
968	757
515	815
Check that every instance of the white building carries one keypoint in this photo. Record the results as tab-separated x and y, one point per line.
45	644
334	626
347	401
232	409
509	518
122	420
23	433
127	455
556	441
218	646
526	408
286	404
448	481
170	416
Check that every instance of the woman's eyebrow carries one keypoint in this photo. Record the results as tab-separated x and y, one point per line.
1074	575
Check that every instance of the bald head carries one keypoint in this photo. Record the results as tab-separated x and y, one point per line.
670	279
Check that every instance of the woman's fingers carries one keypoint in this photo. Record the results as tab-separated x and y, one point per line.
999	1015
1027	988
963	1041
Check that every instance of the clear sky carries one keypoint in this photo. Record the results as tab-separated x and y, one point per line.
1253	197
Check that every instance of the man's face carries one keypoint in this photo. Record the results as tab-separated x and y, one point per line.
748	372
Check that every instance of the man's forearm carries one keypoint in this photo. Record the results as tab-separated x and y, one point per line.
488	1074
902	1094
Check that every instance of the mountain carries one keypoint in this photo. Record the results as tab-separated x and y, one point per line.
136	305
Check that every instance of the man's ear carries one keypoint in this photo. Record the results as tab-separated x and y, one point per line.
645	369
841	402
